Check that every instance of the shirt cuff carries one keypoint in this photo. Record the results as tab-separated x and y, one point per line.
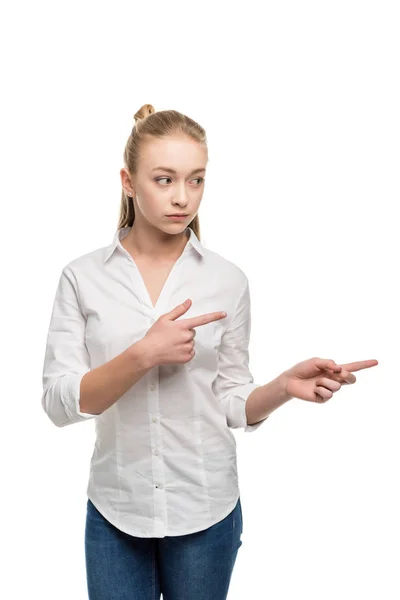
249	428
235	407
72	400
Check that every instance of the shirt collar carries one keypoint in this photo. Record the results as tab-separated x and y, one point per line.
193	240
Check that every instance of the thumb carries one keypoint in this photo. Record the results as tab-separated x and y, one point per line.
179	310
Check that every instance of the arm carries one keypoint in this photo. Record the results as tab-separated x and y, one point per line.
265	399
71	391
103	386
234	383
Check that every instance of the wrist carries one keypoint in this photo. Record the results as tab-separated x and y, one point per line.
142	353
284	382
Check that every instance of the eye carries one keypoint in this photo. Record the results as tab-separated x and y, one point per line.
199	179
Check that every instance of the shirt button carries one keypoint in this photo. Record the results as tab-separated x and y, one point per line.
154	419
156	452
153	386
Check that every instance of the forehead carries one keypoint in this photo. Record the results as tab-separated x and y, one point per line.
177	152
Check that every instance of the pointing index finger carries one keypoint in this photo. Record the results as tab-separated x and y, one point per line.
362	364
202	319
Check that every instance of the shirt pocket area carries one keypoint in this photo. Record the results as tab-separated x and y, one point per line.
206	347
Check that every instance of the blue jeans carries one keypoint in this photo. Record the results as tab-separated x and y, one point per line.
196	566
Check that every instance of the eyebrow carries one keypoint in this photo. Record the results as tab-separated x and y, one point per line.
174	172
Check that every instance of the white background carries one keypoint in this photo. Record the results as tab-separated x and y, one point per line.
300	101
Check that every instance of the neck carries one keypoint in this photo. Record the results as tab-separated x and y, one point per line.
153	244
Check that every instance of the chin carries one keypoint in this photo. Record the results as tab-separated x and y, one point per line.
177	224
173	227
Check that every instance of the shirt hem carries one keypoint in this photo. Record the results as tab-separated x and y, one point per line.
138	533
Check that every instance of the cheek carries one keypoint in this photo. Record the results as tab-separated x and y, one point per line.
151	199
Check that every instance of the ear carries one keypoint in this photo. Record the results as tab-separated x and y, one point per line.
127	182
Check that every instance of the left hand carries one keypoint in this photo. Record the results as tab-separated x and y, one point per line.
316	379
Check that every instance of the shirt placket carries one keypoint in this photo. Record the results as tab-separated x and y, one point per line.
160	503
158	470
153	390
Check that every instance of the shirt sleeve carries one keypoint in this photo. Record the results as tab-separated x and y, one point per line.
234	381
66	357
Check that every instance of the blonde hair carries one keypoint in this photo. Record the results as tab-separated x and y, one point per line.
158	124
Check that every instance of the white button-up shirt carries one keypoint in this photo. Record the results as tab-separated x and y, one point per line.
164	461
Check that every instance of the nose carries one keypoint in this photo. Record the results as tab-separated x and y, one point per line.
181	204
181	197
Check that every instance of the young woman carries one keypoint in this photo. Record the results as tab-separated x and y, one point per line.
149	336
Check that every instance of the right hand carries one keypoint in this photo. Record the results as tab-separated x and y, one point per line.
170	341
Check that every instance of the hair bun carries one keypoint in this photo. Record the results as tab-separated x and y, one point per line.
143	112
